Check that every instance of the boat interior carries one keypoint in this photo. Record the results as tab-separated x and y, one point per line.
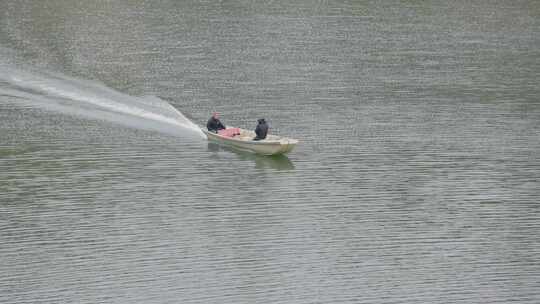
245	135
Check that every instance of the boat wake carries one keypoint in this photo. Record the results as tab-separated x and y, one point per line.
60	93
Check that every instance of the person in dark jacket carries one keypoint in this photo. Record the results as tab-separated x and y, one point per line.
213	124
261	130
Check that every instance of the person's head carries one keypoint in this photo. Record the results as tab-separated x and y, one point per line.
261	120
215	115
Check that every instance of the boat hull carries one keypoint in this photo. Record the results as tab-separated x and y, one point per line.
272	145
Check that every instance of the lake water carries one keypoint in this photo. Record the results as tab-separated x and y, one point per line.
416	180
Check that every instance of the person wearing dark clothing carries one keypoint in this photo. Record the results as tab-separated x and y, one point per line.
213	124
261	130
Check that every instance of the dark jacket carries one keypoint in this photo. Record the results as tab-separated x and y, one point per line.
213	125
261	130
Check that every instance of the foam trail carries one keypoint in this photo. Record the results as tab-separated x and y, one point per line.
94	100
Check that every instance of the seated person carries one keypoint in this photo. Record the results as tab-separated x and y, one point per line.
261	130
213	124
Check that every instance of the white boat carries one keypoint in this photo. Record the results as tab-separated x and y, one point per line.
271	145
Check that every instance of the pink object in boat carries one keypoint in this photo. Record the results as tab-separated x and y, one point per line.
231	132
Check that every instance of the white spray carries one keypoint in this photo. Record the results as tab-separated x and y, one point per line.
63	94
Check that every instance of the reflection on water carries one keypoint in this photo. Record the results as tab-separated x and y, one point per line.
213	147
278	162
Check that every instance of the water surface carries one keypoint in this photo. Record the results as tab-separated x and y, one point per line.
416	179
